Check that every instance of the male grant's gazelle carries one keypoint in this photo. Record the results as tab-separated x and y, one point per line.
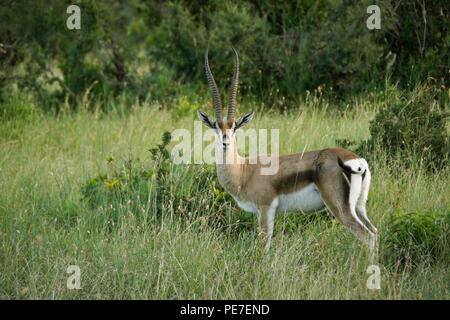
309	181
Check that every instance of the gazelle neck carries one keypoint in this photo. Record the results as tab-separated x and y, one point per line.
230	168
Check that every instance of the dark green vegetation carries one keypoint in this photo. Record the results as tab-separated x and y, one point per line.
86	176
409	127
154	49
414	236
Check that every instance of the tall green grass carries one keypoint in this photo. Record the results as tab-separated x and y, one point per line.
147	252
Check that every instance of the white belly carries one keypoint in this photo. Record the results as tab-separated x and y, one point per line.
247	206
306	200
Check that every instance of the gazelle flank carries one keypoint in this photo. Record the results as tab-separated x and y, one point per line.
332	178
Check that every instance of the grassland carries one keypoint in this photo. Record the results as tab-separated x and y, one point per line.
45	225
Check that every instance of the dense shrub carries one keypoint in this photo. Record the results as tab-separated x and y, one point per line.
414	237
186	191
17	107
410	129
152	48
287	48
58	63
284	48
418	36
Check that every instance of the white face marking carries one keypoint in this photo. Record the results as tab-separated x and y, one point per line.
224	140
307	200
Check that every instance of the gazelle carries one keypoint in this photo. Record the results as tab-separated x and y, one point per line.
332	178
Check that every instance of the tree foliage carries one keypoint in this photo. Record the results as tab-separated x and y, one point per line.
149	48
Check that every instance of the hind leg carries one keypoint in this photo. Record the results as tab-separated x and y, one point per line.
345	214
362	213
361	203
341	201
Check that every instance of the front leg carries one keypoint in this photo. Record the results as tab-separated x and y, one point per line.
266	221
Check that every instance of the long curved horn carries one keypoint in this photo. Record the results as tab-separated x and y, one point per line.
213	86
234	87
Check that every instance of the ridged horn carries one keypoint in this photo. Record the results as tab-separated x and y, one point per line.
213	86
234	87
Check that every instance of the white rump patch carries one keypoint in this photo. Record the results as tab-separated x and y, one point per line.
357	165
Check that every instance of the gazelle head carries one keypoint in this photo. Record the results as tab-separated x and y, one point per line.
224	127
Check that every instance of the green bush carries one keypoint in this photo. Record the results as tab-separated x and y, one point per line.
17	107
418	35
183	107
153	48
187	191
413	237
56	63
284	49
411	129
287	48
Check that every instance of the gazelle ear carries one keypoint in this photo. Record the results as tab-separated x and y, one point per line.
207	121
242	121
